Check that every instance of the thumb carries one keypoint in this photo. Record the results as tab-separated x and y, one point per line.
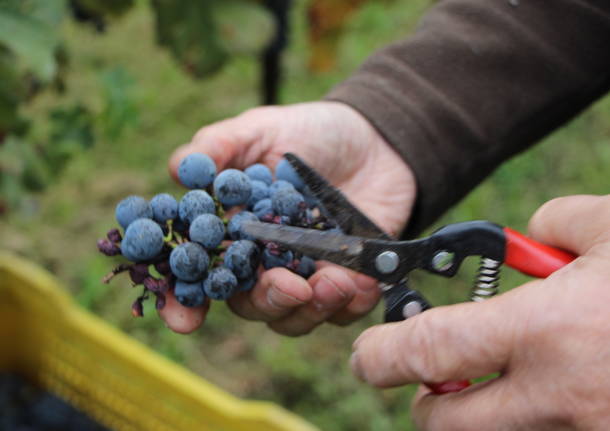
236	142
457	342
574	223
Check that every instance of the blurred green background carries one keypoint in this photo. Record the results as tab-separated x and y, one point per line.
126	104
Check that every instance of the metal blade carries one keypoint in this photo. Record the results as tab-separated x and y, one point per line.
319	245
347	216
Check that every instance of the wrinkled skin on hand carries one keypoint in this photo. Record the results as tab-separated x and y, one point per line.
548	339
340	144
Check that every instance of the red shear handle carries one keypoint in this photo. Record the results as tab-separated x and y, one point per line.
531	257
446	387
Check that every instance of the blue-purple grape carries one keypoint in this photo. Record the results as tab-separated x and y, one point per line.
164	207
143	240
189	294
306	267
276	258
247	284
260	172
195	203
208	230
234	225
284	171
278	185
132	208
263	208
232	187
288	203
220	284
197	171
189	261
242	258
260	191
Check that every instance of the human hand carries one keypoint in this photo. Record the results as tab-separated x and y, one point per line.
340	144
548	339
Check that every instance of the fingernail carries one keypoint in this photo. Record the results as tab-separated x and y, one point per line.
355	365
327	294
278	299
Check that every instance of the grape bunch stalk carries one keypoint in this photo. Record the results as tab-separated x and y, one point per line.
193	248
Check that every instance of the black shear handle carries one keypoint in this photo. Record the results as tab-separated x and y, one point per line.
402	303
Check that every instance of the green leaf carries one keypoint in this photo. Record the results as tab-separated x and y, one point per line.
33	41
189	31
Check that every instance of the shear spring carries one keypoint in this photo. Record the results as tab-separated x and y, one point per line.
488	279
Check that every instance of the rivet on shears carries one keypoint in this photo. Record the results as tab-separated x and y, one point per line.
387	262
443	260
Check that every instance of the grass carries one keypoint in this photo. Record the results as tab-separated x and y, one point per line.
308	375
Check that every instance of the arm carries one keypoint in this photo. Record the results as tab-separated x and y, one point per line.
478	82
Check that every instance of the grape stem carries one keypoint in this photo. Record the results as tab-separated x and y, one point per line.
121	268
170	233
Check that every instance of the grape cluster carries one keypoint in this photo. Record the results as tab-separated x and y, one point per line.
195	248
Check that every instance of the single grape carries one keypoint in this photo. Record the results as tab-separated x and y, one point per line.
234	226
306	267
279	185
260	172
132	208
232	187
197	171
284	171
288	203
189	294
194	203
260	191
275	258
247	284
263	208
143	240
189	261
208	230
220	284
242	258
138	273
164	207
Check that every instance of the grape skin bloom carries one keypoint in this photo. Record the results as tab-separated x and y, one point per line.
164	207
208	230
260	172
143	240
285	171
288	203
195	203
197	171
260	191
189	294
220	284
132	208
242	258
232	187
189	261
234	226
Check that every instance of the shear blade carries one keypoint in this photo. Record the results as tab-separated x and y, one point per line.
319	245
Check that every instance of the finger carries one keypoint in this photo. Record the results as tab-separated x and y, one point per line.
484	406
236	142
332	290
574	223
181	319
277	293
366	297
458	342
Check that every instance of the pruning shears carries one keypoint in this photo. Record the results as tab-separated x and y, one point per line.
364	247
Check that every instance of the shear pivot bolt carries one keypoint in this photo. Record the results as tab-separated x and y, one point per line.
387	262
443	260
411	309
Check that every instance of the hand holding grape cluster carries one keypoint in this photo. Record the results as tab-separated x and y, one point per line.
197	251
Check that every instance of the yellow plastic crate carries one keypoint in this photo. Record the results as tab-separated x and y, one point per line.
116	380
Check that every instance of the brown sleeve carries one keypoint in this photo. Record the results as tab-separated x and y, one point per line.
479	81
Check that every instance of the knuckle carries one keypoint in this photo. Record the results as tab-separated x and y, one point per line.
425	349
